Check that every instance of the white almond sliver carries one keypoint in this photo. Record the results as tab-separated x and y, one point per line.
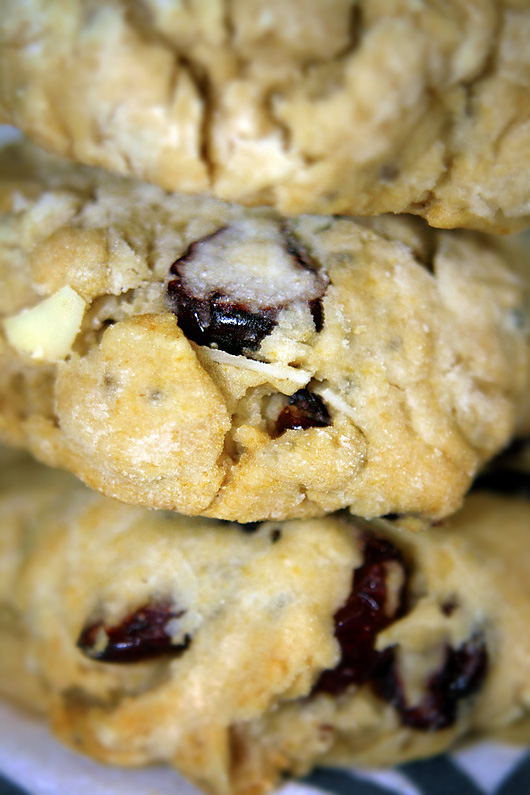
47	331
338	403
273	372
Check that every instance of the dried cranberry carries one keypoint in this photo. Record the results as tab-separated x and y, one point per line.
222	299
460	675
317	313
229	326
362	617
141	635
304	410
297	250
449	606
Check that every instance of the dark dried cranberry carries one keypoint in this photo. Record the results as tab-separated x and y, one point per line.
228	288
317	313
229	326
512	482
449	606
460	675
141	635
304	410
363	616
297	250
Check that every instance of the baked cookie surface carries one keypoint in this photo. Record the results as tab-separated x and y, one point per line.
338	107
189	354
242	654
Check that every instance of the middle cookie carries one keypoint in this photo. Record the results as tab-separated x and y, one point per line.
184	353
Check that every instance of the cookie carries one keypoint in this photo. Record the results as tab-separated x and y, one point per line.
240	654
341	107
189	354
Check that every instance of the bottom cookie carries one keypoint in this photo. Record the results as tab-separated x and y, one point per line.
244	653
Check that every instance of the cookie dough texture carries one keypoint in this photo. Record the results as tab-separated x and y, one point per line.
334	107
420	356
235	709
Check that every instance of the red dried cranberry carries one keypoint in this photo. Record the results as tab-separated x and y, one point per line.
141	635
304	410
362	617
220	300
297	250
461	675
230	326
317	312
449	606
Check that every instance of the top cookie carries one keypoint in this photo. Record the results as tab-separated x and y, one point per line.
338	107
181	352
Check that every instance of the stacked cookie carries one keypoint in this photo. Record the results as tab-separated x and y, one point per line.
258	369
